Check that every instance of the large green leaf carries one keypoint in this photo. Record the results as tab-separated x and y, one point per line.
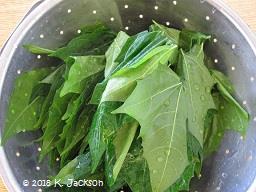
135	48
158	103
122	83
82	68
22	113
113	52
198	83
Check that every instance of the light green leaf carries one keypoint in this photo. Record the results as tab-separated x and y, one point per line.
198	83
122	143
231	115
38	50
113	52
23	114
122	83
84	67
171	33
220	78
158	103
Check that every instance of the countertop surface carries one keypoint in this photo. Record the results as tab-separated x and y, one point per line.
12	11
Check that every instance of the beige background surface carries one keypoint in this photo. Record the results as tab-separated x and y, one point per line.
11	12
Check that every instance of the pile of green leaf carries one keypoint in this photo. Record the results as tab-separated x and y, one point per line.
139	112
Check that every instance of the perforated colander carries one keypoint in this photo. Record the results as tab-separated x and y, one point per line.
52	23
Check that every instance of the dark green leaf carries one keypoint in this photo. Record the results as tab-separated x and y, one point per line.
57	82
135	170
79	168
72	115
54	123
23	114
94	39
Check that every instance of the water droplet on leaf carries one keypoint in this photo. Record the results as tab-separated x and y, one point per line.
160	159
197	87
202	98
208	90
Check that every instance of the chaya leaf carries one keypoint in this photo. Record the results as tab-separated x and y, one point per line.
103	127
118	147
123	82
229	116
57	82
83	67
198	83
23	114
93	39
122	143
195	156
54	123
43	87
135	171
158	104
221	79
171	33
51	78
188	39
79	168
37	50
81	129
72	114
113	52
135	48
